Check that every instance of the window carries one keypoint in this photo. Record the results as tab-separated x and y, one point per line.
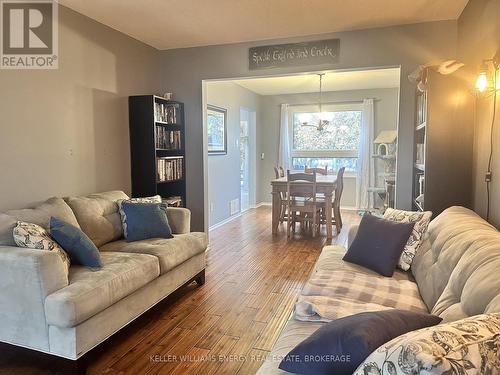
335	146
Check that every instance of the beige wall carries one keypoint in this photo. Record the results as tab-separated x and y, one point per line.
65	131
479	38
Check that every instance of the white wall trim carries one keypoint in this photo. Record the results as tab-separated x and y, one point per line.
225	221
263	204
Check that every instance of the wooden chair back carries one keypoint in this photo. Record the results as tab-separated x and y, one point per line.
321	171
301	185
340	185
276	172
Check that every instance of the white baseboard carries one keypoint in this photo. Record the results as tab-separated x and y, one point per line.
263	204
225	221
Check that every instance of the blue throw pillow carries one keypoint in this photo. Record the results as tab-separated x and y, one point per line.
79	247
340	346
378	244
144	220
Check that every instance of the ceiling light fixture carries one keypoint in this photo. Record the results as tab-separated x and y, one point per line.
322	121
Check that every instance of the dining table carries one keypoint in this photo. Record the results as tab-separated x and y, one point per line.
325	186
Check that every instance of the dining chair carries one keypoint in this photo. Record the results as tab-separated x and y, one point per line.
336	215
302	205
281	171
321	171
276	172
283	202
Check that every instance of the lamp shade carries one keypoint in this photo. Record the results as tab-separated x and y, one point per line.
482	82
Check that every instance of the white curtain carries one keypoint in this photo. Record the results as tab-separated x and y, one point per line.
284	146
365	173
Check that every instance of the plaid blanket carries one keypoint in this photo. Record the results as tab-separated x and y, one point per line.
330	295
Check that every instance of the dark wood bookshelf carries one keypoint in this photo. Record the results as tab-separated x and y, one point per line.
155	121
443	133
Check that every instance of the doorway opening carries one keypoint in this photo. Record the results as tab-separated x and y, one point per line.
347	121
247	155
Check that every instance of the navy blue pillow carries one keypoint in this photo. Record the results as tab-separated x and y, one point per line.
79	247
378	244
144	220
340	346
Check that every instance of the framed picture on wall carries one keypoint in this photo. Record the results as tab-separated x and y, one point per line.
217	130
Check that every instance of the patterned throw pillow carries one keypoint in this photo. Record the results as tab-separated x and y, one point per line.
468	346
421	220
33	236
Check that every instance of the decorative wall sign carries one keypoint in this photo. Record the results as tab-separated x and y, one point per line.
294	54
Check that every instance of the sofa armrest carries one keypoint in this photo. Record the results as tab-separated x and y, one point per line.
27	277
179	219
353	230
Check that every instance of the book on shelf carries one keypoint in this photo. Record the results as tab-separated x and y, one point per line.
420	153
167	139
169	168
173	201
167	113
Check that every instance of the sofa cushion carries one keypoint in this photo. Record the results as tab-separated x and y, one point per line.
342	345
90	292
468	346
452	234
142	221
421	220
330	259
76	243
33	236
474	284
378	244
292	334
40	215
98	215
337	289
170	252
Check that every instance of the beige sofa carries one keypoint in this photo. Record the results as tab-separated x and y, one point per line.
41	310
455	272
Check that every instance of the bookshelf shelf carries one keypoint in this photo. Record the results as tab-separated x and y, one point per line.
167	124
169	181
157	145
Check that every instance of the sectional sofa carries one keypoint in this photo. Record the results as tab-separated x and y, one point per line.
42	310
454	275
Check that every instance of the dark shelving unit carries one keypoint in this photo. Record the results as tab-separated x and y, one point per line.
443	144
157	147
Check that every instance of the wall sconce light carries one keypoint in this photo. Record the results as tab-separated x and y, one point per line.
488	82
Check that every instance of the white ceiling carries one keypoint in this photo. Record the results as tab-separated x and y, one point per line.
332	81
167	24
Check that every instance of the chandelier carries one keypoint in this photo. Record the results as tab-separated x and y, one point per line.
322	121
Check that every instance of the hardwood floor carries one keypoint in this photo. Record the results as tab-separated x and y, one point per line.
232	321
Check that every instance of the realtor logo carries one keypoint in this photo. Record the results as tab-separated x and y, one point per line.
28	34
